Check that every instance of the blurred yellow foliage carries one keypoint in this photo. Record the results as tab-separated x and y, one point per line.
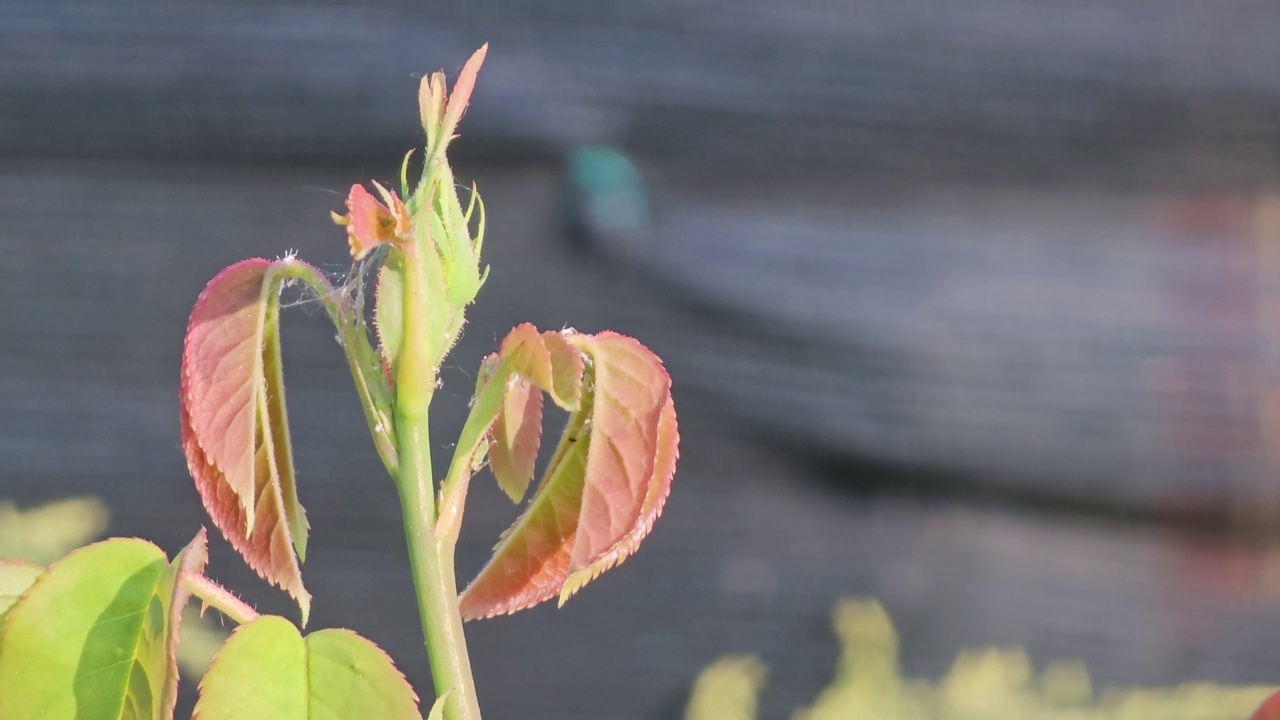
728	689
45	533
981	684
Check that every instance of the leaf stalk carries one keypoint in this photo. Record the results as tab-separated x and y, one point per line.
213	595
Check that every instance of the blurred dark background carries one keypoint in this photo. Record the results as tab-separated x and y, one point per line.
971	308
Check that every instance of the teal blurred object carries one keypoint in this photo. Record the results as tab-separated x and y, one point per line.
605	195
1070	343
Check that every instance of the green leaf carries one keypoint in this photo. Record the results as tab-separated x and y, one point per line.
94	636
608	479
234	426
267	670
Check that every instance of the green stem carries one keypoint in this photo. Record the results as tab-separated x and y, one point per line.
430	558
433	574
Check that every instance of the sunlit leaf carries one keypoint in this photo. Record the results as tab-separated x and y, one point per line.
268	670
608	479
94	636
234	425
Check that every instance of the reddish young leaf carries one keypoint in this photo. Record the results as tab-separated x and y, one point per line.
566	371
462	87
607	481
525	349
655	498
631	391
234	426
441	110
191	560
515	436
1269	710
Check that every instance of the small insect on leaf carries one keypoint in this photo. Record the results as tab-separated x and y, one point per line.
234	426
605	484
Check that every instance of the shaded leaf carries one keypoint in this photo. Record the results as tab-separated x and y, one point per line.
515	435
268	670
93	637
516	431
607	480
234	425
525	357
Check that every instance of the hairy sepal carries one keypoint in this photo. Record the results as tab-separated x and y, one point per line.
605	484
440	221
234	424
